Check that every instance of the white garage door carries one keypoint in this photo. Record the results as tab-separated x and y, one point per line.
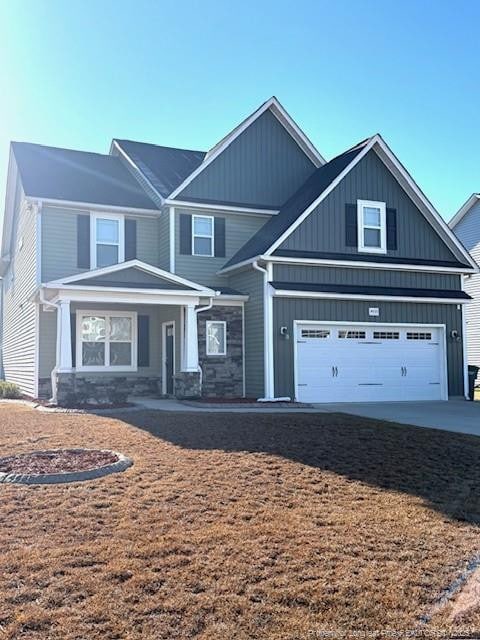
369	363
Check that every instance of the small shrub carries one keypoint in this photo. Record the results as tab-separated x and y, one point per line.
9	390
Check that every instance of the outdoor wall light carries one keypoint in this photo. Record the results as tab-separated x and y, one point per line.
454	335
284	333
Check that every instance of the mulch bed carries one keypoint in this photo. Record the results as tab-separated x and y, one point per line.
57	461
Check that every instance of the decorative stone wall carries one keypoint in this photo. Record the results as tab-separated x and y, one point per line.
187	385
74	389
222	375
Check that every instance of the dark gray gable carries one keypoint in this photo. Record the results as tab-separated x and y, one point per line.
324	230
264	166
131	278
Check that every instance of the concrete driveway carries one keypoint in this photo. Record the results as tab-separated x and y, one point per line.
457	415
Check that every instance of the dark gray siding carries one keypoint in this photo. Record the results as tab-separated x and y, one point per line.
286	310
251	282
366	277
324	229
263	166
132	278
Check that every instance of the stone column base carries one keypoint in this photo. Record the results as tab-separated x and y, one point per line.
187	385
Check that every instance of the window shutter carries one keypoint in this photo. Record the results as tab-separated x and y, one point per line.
83	241
130	239
185	234
351	237
143	349
219	237
391	229
73	332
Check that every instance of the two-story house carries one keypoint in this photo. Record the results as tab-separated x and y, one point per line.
256	268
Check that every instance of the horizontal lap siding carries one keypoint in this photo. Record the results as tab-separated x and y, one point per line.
287	310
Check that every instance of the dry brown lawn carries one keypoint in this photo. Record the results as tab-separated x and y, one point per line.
237	526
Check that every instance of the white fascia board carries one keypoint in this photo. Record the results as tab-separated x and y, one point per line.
276	108
285	293
185	204
90	206
124	296
464	209
135	168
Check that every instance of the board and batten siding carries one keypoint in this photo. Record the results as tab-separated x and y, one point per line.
324	229
468	232
286	310
263	166
366	277
59	242
203	269
251	281
20	314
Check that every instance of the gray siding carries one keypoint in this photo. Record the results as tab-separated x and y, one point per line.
20	315
133	277
238	229
263	166
324	229
366	277
468	231
251	281
164	241
287	310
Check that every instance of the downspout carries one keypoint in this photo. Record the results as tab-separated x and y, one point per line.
44	301
197	311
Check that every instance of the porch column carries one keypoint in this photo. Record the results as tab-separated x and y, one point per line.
64	337
191	339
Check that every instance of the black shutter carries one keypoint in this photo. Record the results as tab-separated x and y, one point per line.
351	237
391	229
83	241
73	331
185	234
143	356
130	239
219	237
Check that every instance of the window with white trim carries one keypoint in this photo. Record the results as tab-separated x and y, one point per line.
107	240
372	226
202	235
216	335
106	341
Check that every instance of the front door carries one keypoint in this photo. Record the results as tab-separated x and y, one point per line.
168	357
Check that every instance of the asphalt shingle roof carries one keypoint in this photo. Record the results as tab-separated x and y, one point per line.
80	176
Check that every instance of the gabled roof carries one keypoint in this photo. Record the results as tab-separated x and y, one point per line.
52	173
314	186
464	209
165	168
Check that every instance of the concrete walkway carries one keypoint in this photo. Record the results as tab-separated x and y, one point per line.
162	404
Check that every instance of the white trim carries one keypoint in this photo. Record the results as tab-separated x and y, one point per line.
143	266
38	243
88	206
227	208
464	209
136	168
268	380
210	237
361	226
171	238
465	351
244	383
207	325
283	117
122	297
36	356
441	327
106	368
230	301
285	293
166	324
114	217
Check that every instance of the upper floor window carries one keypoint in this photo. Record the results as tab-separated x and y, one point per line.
372	226
107	240
202	235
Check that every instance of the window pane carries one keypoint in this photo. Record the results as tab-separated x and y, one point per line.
120	329
107	254
202	226
93	354
371	237
107	231
202	246
371	216
120	354
93	329
216	338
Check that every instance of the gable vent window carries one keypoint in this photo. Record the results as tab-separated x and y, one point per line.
108	243
418	335
386	335
371	226
315	333
202	235
355	335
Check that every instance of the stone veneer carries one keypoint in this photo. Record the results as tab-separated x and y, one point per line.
187	385
222	376
73	389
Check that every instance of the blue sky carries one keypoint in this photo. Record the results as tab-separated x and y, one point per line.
76	74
